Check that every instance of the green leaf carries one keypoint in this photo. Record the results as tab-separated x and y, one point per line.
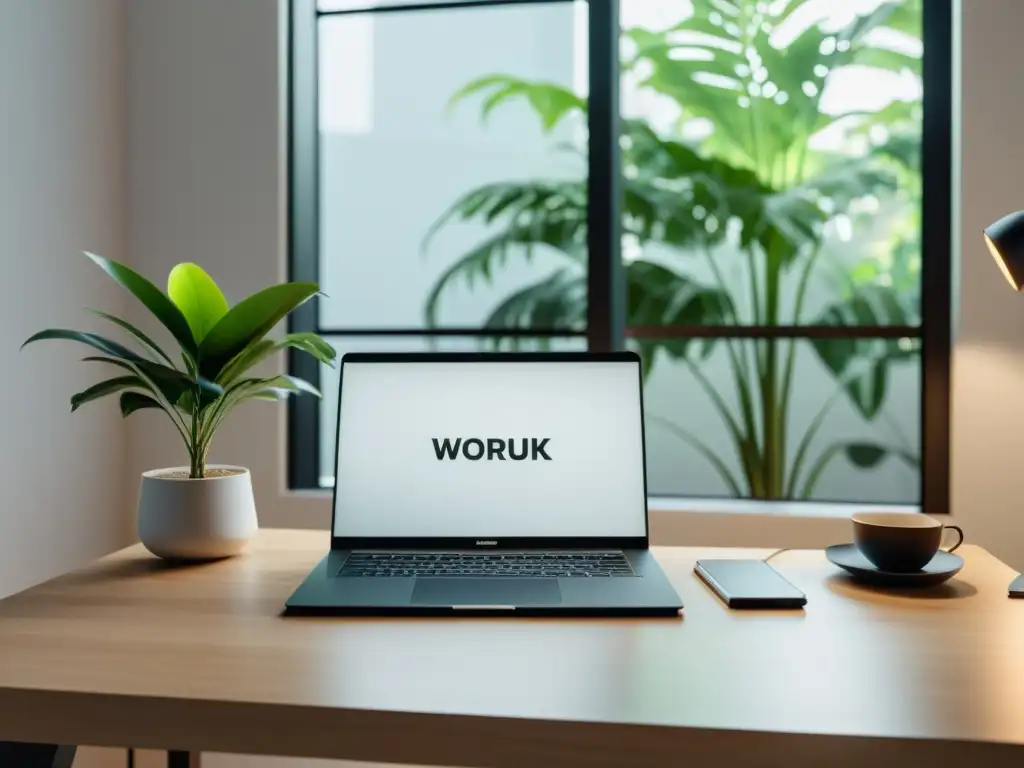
805	443
907	17
306	341
702	448
869	455
899	113
277	387
269	394
862	365
244	388
865	455
659	296
290	383
904	150
512	202
146	340
142	370
95	341
185	401
888	59
866	305
155	300
703	64
816	470
648	351
861	454
198	297
172	383
551	102
545	216
136	401
249	321
246	359
557	301
845	181
104	388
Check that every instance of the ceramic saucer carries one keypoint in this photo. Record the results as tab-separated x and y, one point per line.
943	566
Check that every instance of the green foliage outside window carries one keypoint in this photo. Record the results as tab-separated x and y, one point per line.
756	184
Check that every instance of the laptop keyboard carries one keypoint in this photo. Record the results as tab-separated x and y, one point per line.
462	564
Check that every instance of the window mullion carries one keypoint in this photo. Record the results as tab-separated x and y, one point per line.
606	315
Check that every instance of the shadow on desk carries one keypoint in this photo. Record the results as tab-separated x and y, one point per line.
846	587
139	567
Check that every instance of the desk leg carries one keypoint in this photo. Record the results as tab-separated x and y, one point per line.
178	759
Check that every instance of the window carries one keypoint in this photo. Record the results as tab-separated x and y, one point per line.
753	194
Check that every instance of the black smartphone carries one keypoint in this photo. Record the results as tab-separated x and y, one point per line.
749	584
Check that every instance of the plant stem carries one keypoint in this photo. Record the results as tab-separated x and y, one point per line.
806	440
198	468
819	466
719	466
165	405
812	430
790	354
770	426
737	360
740	372
773	430
741	441
782	397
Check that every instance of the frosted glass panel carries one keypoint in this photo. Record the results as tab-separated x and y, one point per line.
818	435
415	179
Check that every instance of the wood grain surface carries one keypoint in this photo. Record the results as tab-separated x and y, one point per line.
133	652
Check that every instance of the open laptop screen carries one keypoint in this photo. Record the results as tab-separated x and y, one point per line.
521	448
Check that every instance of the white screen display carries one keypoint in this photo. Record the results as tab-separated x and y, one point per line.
490	449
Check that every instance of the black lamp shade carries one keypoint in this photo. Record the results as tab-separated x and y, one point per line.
1005	239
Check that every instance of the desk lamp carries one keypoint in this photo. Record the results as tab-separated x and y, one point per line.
1005	240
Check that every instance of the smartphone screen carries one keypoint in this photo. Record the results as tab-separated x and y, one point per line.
749	584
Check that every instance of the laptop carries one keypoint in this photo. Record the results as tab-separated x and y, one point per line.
497	483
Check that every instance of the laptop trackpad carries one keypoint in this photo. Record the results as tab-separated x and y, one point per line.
486	591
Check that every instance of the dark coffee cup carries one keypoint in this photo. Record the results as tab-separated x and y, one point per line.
900	542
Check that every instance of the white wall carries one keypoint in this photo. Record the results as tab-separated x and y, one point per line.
63	481
207	183
988	421
62	475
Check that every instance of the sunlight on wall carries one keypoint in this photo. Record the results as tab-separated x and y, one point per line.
987	435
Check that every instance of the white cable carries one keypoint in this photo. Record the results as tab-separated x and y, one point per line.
776	552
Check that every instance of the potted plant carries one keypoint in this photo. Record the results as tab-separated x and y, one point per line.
198	511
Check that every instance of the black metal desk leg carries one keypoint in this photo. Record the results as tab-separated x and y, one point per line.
178	759
23	755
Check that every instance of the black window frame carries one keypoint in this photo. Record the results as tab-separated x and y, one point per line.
606	316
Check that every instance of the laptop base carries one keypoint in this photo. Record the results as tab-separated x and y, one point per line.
323	593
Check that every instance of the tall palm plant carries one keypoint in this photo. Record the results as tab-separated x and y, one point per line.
756	184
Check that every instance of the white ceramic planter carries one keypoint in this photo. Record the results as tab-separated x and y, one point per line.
184	519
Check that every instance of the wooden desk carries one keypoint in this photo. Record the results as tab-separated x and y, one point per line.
130	652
